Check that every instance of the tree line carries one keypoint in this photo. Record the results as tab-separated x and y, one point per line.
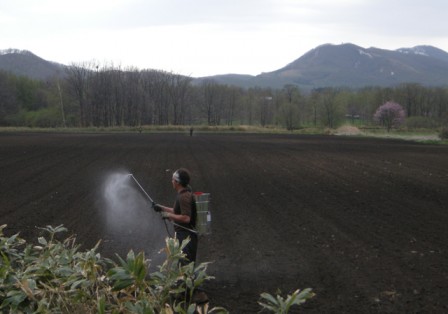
93	95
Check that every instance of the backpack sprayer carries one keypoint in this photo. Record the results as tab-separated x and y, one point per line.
203	215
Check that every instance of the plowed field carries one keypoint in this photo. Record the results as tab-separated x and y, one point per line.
364	222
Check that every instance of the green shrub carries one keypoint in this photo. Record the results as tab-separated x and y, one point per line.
55	277
43	118
16	119
278	304
444	133
421	123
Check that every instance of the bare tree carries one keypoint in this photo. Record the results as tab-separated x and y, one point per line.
233	95
178	89
78	75
8	98
248	105
266	105
328	106
209	90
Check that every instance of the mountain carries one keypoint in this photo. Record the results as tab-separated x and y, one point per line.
25	63
348	65
354	66
345	65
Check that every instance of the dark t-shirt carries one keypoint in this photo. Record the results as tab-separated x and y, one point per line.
185	205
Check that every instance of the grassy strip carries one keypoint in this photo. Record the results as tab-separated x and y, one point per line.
167	129
429	136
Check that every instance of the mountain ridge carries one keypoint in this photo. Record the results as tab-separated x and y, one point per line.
327	65
349	65
25	63
355	66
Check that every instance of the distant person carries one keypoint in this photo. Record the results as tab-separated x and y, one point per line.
183	213
191	131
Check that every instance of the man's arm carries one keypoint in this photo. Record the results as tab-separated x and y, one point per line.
172	216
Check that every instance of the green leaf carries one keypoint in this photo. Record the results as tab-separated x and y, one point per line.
218	310
42	241
269	307
191	309
101	306
122	284
305	295
77	283
269	298
15	297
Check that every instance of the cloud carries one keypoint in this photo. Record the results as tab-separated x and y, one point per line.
206	37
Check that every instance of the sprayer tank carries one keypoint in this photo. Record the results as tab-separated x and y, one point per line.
204	217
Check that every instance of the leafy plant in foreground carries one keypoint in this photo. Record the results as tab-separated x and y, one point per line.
281	305
55	277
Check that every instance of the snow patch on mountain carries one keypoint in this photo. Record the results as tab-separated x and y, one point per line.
363	53
416	50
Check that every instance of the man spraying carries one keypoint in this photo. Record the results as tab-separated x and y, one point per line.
183	214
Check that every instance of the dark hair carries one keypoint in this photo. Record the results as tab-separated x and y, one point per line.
182	176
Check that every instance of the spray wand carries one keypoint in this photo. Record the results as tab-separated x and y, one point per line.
153	203
149	197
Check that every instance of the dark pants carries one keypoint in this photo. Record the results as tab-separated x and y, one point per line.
191	248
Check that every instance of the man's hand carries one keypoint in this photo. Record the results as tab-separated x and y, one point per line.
156	207
165	215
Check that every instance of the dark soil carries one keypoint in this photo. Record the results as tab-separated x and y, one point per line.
364	222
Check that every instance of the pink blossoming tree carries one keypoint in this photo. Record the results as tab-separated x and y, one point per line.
390	115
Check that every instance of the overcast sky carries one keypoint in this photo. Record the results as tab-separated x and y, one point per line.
208	37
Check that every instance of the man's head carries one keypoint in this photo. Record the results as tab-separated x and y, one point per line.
182	176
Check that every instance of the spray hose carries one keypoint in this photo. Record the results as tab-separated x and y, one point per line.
166	227
191	230
175	224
